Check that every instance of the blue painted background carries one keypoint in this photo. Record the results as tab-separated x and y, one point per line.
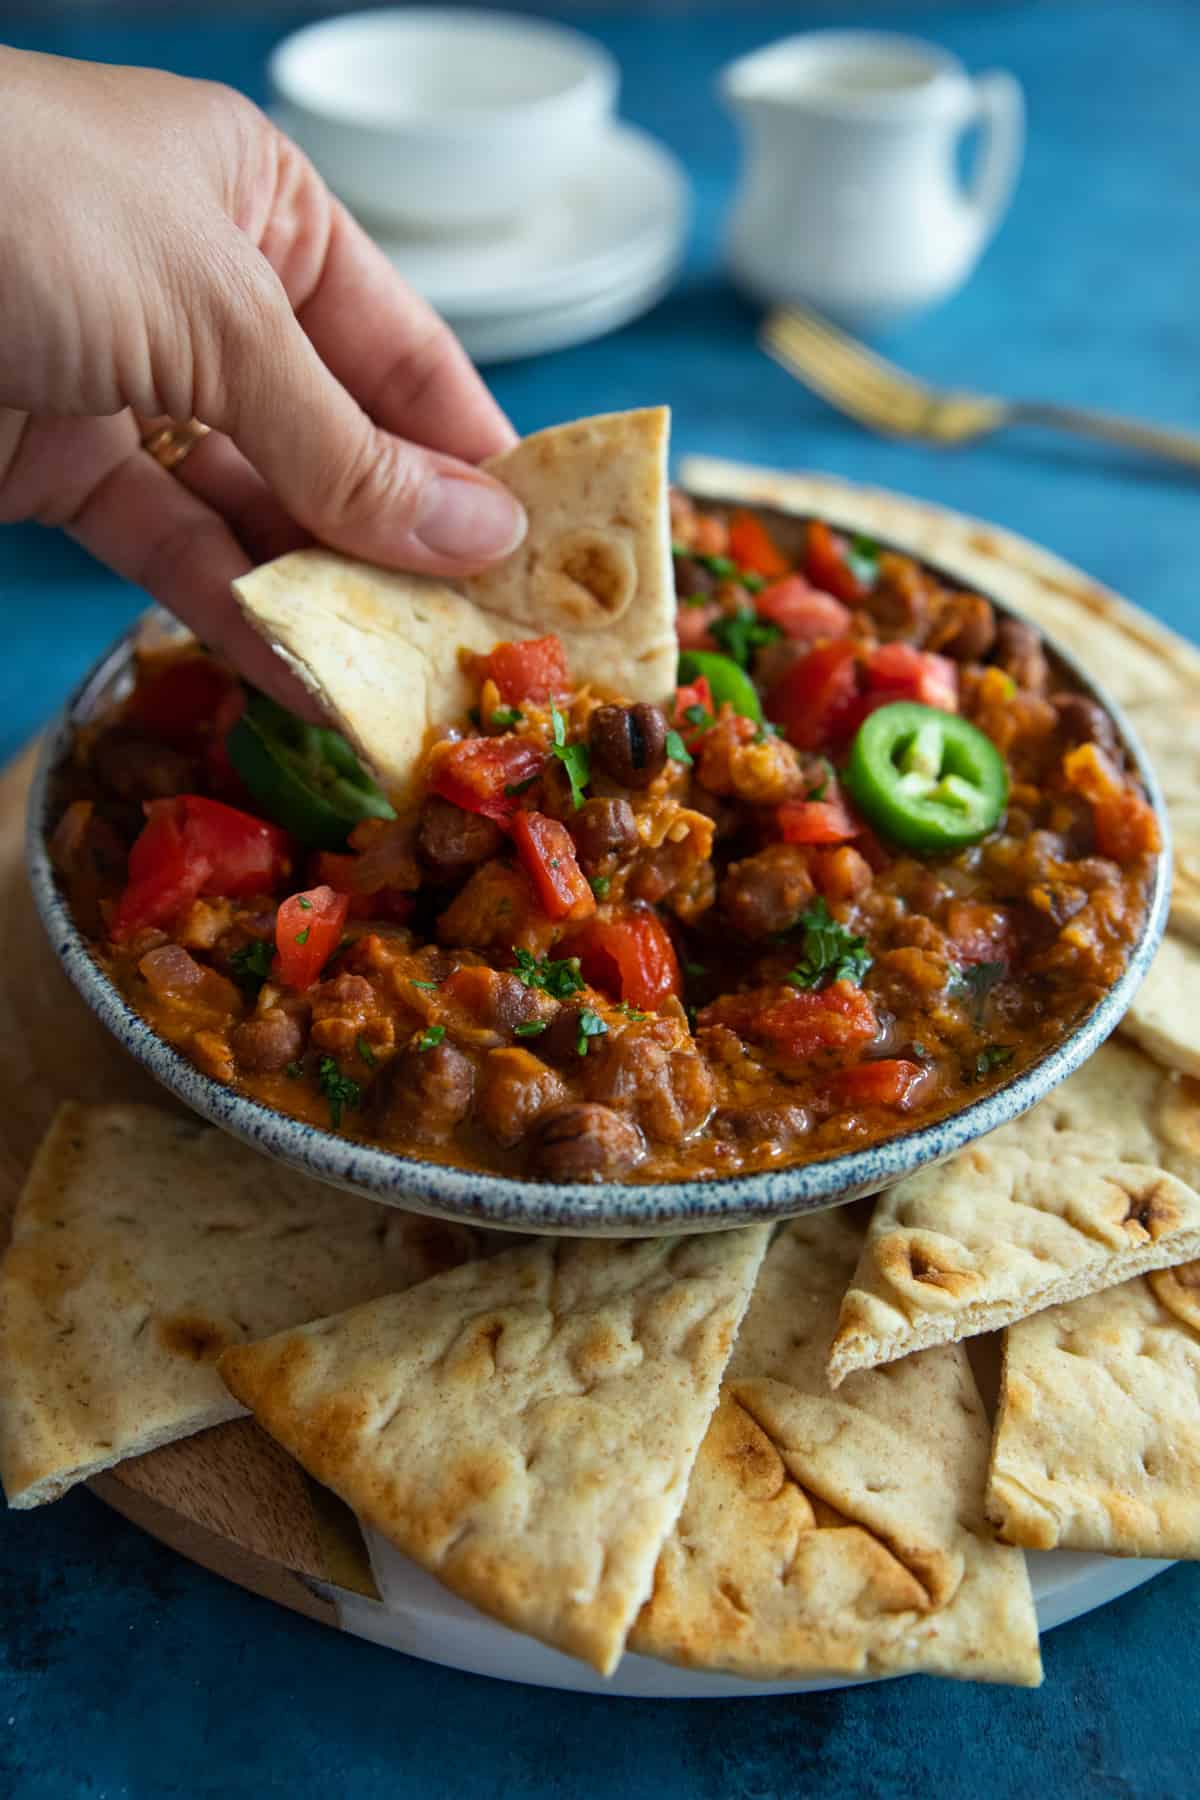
124	1671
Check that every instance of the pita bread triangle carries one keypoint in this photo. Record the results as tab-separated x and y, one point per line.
524	1429
381	651
1097	1442
1097	1184
838	1533
143	1244
1164	1017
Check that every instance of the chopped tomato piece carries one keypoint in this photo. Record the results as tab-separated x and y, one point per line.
308	929
824	821
535	669
182	699
189	846
548	856
1124	822
800	1023
696	694
979	933
894	1083
486	775
692	623
802	612
752	547
344	873
825	563
812	699
631	957
900	672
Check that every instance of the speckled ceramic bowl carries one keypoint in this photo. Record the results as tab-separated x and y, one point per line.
576	1208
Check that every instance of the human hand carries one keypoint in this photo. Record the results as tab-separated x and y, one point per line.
164	250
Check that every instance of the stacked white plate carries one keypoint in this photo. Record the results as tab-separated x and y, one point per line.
599	252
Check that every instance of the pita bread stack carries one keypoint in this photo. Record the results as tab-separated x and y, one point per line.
143	1245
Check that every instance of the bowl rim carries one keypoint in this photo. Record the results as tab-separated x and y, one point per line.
596	78
694	1203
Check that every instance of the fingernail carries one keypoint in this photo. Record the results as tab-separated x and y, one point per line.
471	521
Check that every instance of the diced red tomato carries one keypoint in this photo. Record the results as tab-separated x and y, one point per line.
487	775
343	873
979	932
308	929
839	1017
1124	822
752	547
812	699
696	693
802	613
182	699
630	957
535	669
548	856
894	1083
824	821
692	623
900	672
191	845
825	563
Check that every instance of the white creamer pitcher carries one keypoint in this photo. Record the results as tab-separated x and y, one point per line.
851	198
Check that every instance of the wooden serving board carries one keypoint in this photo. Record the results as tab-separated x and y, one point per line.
228	1498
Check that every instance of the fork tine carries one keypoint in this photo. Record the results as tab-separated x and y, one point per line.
869	375
845	383
867	360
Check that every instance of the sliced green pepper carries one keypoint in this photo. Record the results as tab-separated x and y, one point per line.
304	778
725	681
926	779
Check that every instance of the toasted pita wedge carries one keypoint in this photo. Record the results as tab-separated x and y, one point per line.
1152	671
1097	1184
382	651
1165	1016
838	1534
142	1245
524	1429
1097	1441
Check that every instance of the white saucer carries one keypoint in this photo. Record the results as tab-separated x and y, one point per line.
535	330
606	228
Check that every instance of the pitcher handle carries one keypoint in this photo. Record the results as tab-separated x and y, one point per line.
1000	113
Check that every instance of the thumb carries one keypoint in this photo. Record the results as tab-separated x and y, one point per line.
352	485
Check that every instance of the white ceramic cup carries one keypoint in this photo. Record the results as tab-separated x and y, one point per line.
850	199
439	119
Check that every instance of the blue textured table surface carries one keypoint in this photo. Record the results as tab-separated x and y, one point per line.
126	1671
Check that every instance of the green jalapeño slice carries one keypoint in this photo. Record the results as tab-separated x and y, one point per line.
726	681
305	778
926	779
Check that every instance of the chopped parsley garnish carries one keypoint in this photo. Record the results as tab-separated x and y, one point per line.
337	1088
365	1051
519	787
431	1037
862	559
531	1028
422	984
677	750
250	965
992	1056
574	758
506	717
630	1012
600	885
303	904
698	715
302	936
295	1070
740	633
754	583
590	1025
973	982
920	1050
822	787
766	731
831	953
556	978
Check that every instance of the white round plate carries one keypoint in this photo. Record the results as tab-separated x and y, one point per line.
629	206
531	333
423	1619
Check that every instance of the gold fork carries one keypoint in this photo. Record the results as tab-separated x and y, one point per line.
883	397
